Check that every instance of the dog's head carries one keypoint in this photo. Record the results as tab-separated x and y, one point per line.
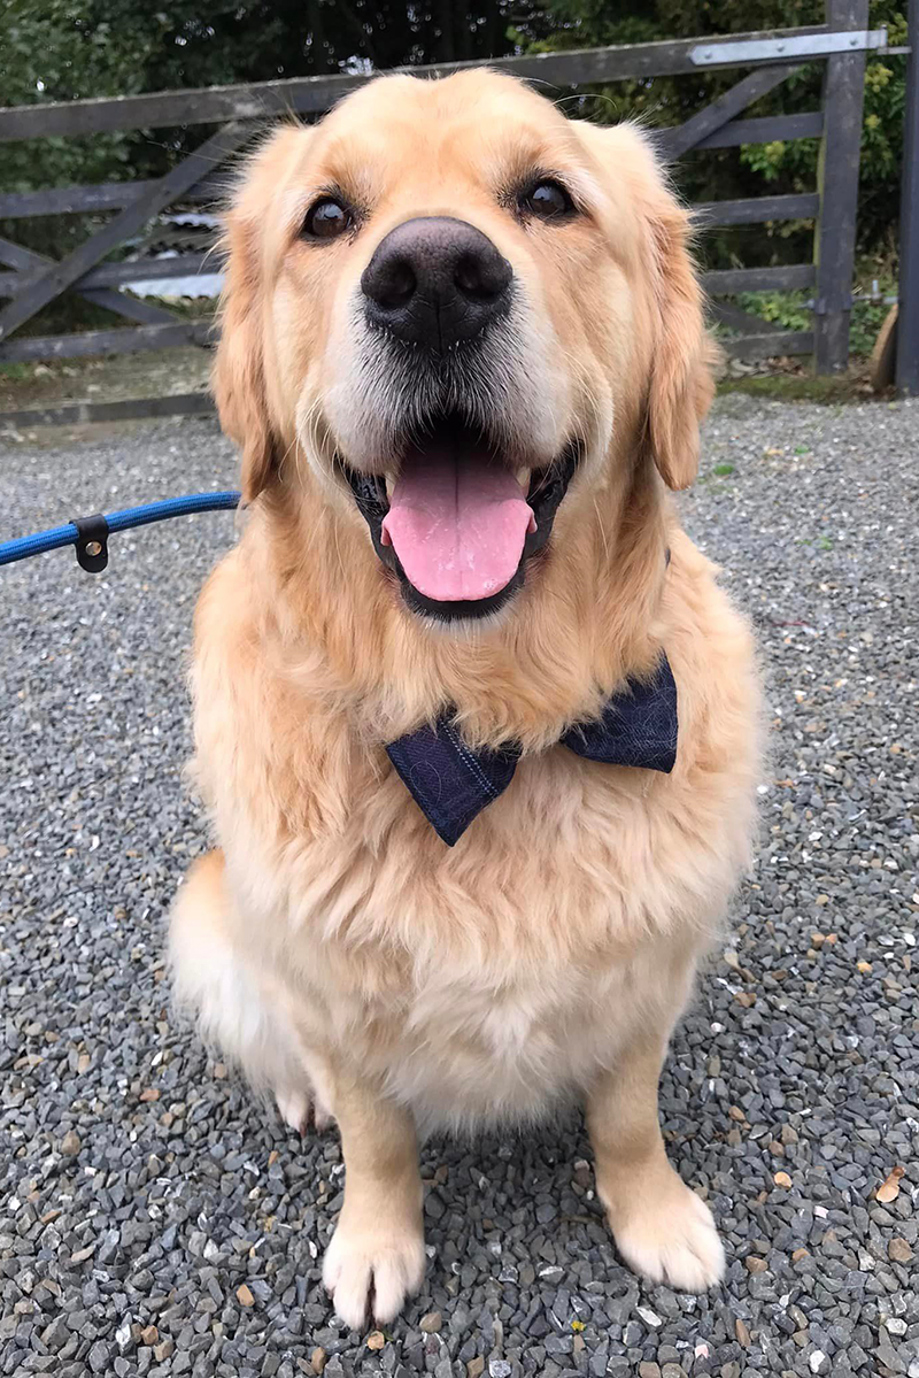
471	318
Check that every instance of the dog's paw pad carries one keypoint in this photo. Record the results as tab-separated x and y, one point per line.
668	1235
370	1276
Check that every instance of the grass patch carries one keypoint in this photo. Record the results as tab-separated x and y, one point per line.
788	382
798	387
790	310
722	470
821	542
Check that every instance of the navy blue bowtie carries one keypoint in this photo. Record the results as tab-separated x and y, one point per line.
451	783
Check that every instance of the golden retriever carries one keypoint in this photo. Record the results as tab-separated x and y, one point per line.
463	353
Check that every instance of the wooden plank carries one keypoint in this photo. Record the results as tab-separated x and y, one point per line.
757	210
128	409
19	257
30	263
117	274
784	278
17	205
675	142
834	237
94	342
762	130
769	345
183	265
132	308
56	279
313	95
907	343
735	319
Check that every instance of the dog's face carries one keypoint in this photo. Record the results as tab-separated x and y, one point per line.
471	317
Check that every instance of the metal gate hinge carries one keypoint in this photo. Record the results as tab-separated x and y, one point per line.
822	306
797	47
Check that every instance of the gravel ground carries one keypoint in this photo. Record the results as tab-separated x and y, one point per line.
154	1220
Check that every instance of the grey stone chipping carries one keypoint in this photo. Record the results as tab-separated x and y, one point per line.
141	1184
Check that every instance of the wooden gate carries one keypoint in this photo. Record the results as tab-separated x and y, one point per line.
841	44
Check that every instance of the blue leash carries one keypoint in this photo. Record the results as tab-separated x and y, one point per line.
90	534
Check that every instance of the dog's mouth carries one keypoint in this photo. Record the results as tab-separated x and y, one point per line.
457	520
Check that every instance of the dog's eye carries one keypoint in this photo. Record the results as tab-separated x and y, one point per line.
327	219
547	200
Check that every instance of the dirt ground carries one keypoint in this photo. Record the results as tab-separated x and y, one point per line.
154	373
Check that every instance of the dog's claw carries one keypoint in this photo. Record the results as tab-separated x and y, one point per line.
669	1236
294	1108
372	1274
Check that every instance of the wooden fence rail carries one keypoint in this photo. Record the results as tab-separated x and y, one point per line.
841	44
314	95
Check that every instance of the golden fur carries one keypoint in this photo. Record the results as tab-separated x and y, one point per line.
334	945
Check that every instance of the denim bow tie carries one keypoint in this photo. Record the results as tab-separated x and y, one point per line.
451	783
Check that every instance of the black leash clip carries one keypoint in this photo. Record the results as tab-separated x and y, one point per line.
92	543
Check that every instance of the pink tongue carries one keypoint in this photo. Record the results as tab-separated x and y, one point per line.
457	525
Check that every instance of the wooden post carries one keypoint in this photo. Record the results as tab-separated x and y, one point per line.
840	148
908	308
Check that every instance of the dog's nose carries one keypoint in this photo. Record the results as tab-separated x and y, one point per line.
435	281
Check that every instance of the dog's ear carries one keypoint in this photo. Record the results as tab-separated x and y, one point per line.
238	375
680	387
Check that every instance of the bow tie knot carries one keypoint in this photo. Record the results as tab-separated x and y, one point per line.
451	782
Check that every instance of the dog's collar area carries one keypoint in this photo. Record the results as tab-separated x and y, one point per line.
452	783
546	491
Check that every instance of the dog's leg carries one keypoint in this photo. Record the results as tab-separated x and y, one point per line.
662	1229
376	1257
235	1007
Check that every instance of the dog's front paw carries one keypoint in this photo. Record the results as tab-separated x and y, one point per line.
371	1272
666	1233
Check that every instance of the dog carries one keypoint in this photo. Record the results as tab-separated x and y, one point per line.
476	727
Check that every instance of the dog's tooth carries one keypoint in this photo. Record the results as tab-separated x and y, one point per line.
523	477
